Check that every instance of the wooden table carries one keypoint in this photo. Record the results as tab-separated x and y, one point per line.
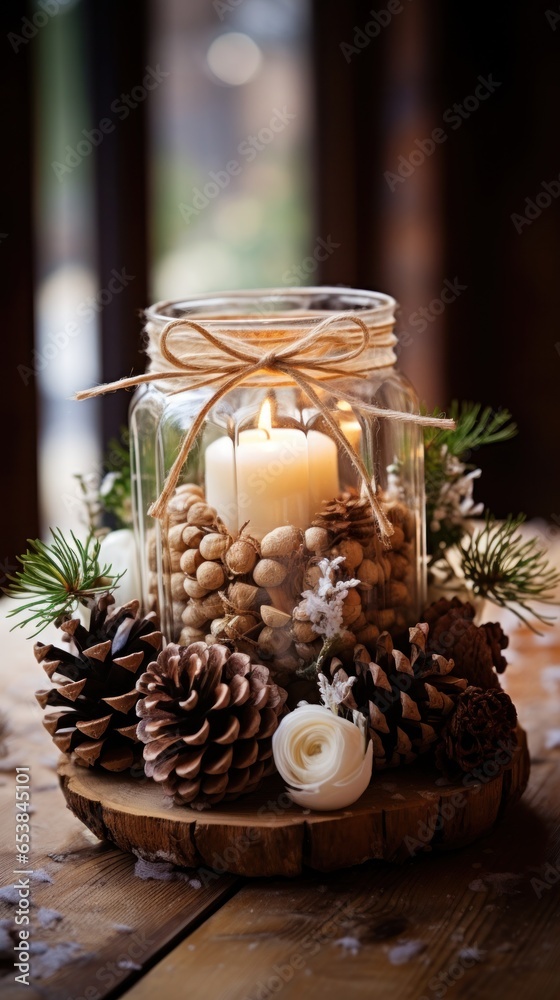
480	922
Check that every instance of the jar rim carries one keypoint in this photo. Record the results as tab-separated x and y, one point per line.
285	305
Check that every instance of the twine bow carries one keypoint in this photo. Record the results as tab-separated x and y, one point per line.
297	361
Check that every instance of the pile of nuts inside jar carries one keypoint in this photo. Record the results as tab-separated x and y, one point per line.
248	592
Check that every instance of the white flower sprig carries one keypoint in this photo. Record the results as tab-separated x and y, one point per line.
324	604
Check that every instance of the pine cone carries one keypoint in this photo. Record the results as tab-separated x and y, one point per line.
95	674
406	699
482	722
476	649
208	717
348	514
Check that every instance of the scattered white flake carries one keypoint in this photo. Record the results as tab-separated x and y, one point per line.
48	918
473	953
9	894
49	959
40	875
252	945
397	795
503	882
128	964
122	928
195	883
403	951
477	885
429	795
191	947
162	871
552	739
506	946
349	945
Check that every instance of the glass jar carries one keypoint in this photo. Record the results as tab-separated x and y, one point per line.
267	491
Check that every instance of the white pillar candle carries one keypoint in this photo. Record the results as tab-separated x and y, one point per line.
323	471
272	476
219	476
350	427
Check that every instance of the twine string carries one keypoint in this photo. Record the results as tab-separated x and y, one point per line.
299	361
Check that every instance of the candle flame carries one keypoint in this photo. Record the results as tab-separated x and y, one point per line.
265	417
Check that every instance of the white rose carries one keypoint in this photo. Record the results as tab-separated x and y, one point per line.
322	758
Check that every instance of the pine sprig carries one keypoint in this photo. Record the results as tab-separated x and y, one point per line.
476	426
509	570
55	578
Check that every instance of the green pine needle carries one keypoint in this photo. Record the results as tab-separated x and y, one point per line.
509	570
55	578
475	426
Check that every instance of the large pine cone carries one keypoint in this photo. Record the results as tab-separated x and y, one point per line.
476	649
481	728
349	515
95	675
208	716
406	699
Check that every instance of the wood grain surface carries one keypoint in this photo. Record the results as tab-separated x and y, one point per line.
462	924
402	812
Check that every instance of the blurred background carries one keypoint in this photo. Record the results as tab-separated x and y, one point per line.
162	147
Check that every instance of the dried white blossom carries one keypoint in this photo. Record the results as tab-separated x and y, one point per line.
324	604
339	692
456	502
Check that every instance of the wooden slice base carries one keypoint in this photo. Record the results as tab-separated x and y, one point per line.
403	812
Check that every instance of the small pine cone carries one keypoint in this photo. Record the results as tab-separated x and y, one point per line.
482	723
476	649
207	719
406	699
348	515
95	695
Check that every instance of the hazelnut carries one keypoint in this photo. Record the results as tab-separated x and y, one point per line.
281	542
397	593
241	557
317	539
273	617
214	545
303	632
399	565
217	628
194	614
274	641
201	513
190	488
242	596
239	625
397	538
368	574
190	561
193	588
192	536
177	589
173	563
175	538
210	575
269	573
178	506
213	606
189	635
312	577
352	551
385	619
